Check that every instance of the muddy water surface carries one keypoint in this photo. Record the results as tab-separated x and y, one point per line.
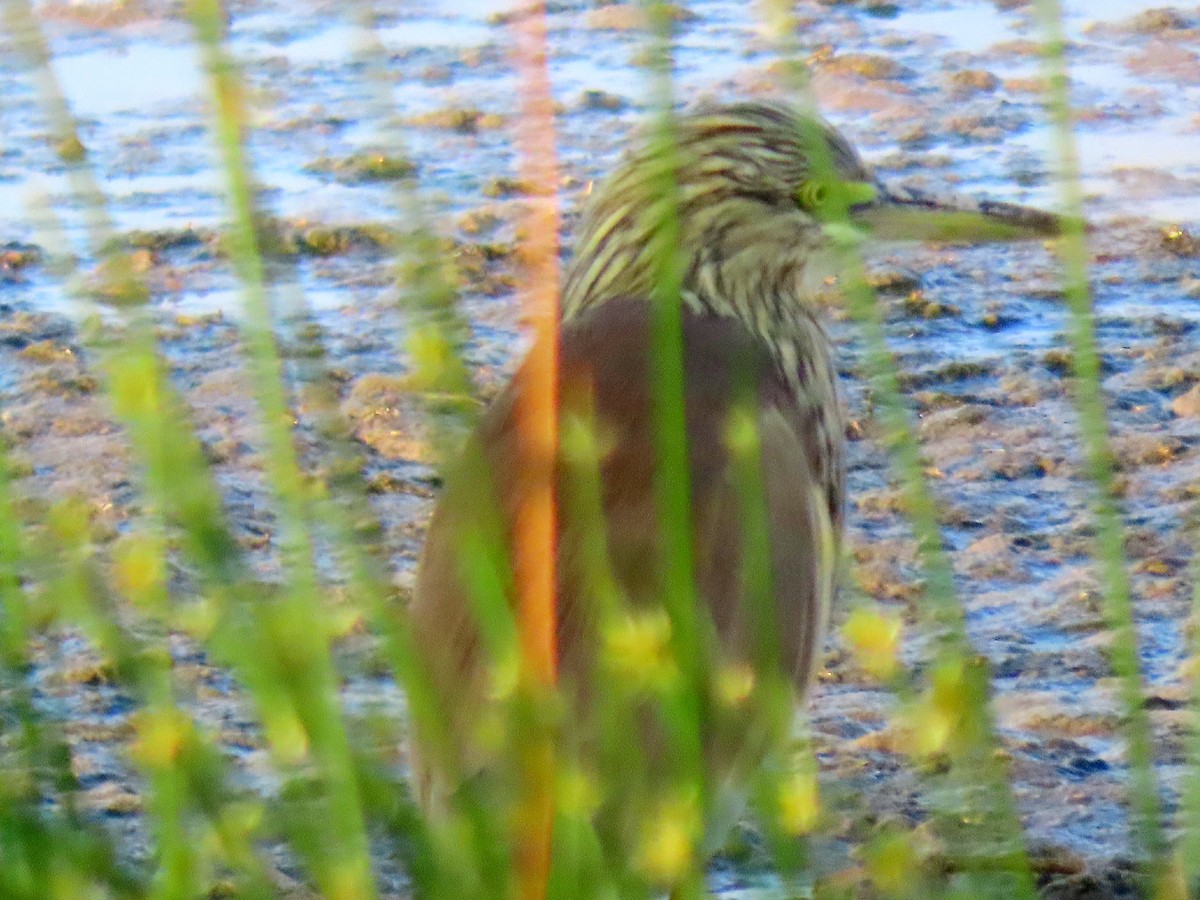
942	95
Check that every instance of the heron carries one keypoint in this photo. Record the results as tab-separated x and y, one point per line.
761	196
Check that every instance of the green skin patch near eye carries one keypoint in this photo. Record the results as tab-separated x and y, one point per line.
833	194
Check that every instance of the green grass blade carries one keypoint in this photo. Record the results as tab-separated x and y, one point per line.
1088	392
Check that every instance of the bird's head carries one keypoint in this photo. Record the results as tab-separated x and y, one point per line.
743	199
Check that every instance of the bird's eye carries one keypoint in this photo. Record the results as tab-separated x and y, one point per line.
812	194
816	194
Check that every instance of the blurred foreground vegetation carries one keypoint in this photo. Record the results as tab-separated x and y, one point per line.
338	804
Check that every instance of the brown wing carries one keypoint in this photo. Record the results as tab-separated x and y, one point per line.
605	378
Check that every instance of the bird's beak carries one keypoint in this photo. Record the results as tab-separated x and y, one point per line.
905	214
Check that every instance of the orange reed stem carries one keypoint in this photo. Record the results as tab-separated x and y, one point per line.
537	416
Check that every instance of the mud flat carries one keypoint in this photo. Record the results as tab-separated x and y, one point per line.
940	96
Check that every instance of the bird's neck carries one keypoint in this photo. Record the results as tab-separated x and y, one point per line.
760	266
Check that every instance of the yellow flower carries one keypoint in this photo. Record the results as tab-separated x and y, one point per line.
874	638
934	722
741	433
161	737
578	793
286	735
139	568
668	844
948	688
432	355
637	649
583	440
891	862
927	729
735	683
799	802
69	886
348	879
504	675
134	387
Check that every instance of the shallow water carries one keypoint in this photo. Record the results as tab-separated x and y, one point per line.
140	91
1010	476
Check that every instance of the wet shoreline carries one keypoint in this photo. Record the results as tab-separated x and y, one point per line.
979	332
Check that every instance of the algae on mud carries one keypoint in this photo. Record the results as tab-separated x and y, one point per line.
998	432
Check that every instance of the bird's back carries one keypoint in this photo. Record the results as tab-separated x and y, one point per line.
605	379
